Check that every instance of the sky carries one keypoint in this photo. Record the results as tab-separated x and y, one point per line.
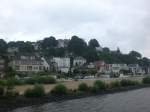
114	23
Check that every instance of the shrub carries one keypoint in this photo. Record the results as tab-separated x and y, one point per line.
36	91
98	86
14	81
115	84
46	80
146	80
30	81
40	80
59	89
83	87
126	82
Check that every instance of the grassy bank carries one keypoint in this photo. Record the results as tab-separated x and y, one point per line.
37	94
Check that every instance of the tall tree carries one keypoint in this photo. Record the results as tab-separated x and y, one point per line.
93	43
49	42
3	46
135	54
77	46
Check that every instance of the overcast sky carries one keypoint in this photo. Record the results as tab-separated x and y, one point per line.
115	23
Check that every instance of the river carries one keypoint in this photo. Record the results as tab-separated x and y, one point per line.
130	101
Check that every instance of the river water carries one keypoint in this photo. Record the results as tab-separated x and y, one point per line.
130	101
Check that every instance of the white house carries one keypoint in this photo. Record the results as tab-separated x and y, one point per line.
12	49
115	68
63	64
91	66
136	69
63	43
79	61
45	64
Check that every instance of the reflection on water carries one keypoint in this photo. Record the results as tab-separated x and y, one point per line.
131	101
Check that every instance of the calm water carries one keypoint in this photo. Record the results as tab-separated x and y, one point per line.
131	101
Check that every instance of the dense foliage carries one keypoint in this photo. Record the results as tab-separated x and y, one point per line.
77	47
59	89
36	91
83	87
146	80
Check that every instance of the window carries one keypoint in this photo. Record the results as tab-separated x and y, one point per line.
17	67
29	68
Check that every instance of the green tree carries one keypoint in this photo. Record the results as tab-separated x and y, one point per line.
91	55
106	50
93	43
135	54
3	46
77	46
49	42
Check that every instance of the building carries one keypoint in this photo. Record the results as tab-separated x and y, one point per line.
35	45
63	43
12	50
45	64
91	66
62	64
101	67
136	69
27	63
116	68
2	66
79	61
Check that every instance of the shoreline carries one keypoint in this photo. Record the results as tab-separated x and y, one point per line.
21	101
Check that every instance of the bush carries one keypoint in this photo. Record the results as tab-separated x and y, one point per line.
98	86
125	83
146	80
37	91
41	80
115	84
59	89
30	81
83	87
14	81
46	80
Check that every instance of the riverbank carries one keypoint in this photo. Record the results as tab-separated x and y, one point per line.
8	104
71	84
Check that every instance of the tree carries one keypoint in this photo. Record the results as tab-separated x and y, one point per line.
91	55
77	46
106	50
23	47
60	52
93	43
3	46
145	62
49	42
135	54
26	47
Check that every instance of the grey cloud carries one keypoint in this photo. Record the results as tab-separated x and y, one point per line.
115	23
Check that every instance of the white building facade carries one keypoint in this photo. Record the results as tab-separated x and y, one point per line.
79	61
63	64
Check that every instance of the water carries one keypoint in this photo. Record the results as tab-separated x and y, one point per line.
131	101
